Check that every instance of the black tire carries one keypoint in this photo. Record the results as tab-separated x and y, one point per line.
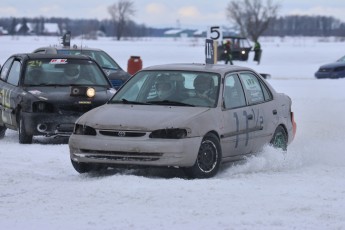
2	131
280	139
208	160
86	167
24	138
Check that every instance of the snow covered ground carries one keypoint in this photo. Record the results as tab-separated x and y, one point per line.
39	188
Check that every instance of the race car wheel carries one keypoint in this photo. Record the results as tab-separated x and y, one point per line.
24	138
83	167
2	131
280	139
208	158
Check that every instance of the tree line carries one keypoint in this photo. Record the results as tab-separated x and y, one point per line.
282	26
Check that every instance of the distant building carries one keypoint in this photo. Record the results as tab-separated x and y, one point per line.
176	33
49	29
200	34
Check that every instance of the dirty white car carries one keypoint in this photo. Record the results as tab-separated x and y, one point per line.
192	116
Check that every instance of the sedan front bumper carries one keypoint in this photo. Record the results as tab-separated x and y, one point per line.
134	151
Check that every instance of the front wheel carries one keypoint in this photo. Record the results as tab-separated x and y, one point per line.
280	139
24	138
208	159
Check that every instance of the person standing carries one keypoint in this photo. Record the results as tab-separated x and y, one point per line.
227	52
257	52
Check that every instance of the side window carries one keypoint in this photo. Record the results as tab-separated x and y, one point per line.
253	88
233	92
5	69
13	77
267	93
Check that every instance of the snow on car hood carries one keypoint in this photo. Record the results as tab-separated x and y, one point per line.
140	117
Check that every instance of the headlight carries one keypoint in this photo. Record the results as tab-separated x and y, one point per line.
90	92
243	52
169	133
42	107
84	130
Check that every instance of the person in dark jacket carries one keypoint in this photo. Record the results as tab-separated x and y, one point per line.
257	52
227	52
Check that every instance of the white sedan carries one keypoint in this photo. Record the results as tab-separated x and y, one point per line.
192	116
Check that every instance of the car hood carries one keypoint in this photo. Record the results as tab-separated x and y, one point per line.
141	117
332	65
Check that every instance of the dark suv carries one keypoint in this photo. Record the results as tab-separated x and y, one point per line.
115	73
240	48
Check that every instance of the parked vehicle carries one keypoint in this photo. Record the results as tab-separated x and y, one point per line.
115	73
44	94
240	48
332	70
192	116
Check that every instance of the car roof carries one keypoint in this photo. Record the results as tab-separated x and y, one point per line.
199	67
68	48
39	55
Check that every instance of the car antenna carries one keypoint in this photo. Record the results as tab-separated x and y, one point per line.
81	43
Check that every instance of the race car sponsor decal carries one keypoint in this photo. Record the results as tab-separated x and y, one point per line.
84	102
58	61
34	63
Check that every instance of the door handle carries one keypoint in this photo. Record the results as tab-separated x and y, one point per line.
250	117
274	112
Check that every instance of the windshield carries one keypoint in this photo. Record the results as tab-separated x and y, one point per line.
102	58
64	72
180	88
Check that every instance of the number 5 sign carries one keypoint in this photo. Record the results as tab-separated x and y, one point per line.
215	33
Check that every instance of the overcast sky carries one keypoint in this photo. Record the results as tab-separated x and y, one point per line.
184	13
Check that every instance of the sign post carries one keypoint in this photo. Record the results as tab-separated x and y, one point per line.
211	51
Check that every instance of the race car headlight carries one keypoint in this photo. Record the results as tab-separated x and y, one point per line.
90	92
169	133
243	52
84	130
42	107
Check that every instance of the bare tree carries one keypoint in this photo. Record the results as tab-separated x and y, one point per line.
252	16
120	14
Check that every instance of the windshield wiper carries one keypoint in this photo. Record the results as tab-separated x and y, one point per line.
168	102
47	84
125	101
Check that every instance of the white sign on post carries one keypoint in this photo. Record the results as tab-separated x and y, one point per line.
214	36
215	33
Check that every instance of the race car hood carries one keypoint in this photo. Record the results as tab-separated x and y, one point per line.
332	65
142	117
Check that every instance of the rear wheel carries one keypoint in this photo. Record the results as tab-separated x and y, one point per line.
24	138
208	159
2	131
280	139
